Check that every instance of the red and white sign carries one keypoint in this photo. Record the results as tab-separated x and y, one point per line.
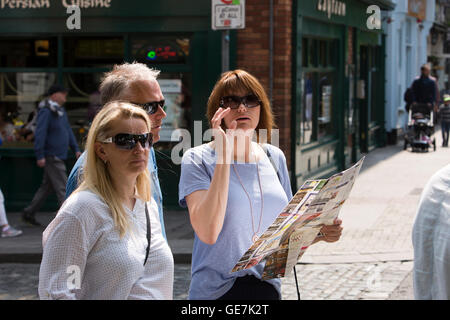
227	14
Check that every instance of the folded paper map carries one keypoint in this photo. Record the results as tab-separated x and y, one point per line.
315	204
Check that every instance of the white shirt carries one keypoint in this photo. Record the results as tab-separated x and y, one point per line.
84	257
431	239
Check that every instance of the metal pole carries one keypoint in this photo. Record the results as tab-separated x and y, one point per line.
225	50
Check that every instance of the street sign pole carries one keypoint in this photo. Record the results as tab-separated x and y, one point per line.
225	50
227	15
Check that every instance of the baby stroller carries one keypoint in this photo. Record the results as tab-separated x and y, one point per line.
420	128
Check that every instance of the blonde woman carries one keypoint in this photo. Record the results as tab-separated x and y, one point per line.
106	240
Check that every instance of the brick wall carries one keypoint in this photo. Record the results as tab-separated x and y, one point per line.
253	56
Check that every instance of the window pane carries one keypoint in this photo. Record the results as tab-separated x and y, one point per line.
333	50
28	53
312	53
93	52
177	89
304	52
308	102
325	112
83	101
322	53
20	94
165	49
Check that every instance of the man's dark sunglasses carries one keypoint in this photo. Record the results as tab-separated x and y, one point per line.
233	102
128	141
151	107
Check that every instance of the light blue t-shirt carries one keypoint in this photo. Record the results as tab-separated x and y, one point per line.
211	264
72	182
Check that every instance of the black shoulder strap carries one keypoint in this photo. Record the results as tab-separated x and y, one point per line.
266	150
149	234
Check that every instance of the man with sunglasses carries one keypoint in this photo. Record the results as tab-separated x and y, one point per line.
136	83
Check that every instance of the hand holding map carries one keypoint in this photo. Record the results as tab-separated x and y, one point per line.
315	204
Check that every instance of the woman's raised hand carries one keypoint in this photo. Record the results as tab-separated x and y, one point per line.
223	140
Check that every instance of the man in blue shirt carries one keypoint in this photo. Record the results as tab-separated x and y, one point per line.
136	83
52	139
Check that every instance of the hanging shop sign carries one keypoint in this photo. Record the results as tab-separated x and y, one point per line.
417	9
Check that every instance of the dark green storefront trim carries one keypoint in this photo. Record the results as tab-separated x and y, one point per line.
19	175
330	154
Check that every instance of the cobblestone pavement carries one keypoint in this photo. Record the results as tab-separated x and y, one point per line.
349	281
317	282
20	281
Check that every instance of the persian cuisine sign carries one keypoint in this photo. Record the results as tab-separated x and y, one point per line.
37	4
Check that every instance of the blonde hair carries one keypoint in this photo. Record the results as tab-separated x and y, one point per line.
96	176
119	81
235	81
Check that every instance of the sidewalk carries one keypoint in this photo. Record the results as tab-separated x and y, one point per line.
377	218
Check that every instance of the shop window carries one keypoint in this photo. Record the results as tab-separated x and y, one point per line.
325	112
309	52
308	110
28	52
323	53
312	54
20	94
305	51
318	89
319	53
317	106
157	50
83	101
93	52
333	50
177	91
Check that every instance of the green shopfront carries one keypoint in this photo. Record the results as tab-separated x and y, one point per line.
338	86
38	49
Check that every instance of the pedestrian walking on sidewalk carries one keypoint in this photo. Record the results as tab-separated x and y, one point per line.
53	136
423	91
431	239
233	193
108	231
136	83
6	230
444	111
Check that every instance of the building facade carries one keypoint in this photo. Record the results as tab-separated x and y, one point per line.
408	27
438	45
321	62
38	47
324	69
